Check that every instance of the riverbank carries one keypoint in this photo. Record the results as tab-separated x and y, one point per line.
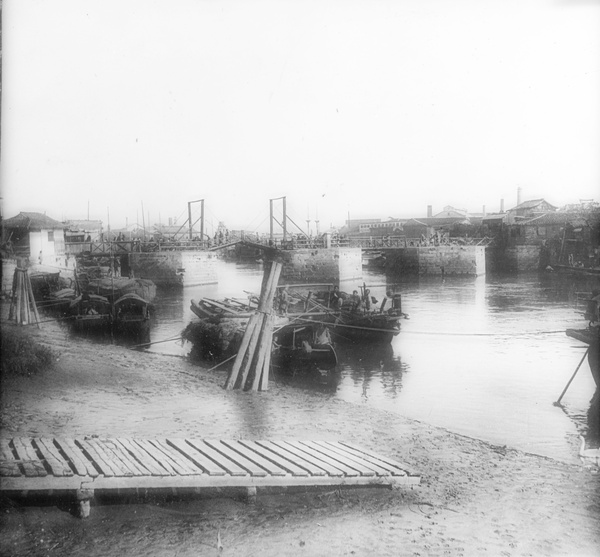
474	498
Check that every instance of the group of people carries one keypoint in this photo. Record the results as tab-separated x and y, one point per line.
358	303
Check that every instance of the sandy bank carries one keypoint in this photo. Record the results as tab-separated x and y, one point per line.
474	499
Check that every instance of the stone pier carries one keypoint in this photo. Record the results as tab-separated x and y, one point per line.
321	265
175	268
436	260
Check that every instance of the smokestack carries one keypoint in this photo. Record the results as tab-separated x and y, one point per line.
483	211
502	205
429	211
519	195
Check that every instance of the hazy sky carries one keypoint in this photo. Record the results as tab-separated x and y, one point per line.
367	108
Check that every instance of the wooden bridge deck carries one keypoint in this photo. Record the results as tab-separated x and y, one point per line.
88	464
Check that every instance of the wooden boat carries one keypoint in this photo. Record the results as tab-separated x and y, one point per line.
206	308
358	327
90	312
132	315
304	345
116	287
58	302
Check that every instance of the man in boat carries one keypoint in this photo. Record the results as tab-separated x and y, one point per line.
356	302
284	300
335	298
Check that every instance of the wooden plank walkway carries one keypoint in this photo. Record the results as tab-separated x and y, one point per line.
88	464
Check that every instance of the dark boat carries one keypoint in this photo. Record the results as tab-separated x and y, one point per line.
304	345
206	308
90	312
114	288
132	316
58	302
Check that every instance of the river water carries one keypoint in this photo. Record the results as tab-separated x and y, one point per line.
485	357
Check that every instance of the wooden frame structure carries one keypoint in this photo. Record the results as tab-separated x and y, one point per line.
84	465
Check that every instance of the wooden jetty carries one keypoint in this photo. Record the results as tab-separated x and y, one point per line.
84	465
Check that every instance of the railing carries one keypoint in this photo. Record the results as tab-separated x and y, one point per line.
401	242
292	243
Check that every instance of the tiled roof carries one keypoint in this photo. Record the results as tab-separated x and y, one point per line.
550	219
33	221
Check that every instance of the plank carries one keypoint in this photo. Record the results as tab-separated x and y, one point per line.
157	456
184	468
272	456
240	460
58	465
32	465
200	460
83	466
398	465
121	453
299	461
105	467
115	456
8	466
231	467
325	468
359	458
141	457
255	457
127	452
353	461
346	470
393	469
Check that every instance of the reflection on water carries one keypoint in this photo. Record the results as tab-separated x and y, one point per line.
484	357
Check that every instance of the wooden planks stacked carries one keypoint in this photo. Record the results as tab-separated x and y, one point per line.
118	463
251	367
22	302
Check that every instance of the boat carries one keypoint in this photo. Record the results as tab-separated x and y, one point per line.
114	288
58	302
303	345
90	312
207	308
132	316
357	320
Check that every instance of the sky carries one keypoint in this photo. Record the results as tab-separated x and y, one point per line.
125	110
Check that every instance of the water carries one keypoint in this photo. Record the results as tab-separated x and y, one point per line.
482	357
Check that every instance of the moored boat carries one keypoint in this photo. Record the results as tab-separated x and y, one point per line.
132	315
90	312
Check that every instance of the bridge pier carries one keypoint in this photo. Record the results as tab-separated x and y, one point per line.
330	265
435	260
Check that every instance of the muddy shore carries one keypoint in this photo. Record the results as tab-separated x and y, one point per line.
474	498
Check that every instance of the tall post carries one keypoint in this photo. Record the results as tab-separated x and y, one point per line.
201	219
284	220
190	218
271	220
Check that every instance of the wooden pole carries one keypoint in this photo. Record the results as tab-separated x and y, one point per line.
258	334
13	298
25	302
35	311
557	403
19	297
233	375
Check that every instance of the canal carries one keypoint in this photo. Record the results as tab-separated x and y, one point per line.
484	357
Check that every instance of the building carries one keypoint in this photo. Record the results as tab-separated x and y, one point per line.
36	237
82	231
528	210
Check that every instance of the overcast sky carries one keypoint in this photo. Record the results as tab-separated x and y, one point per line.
360	108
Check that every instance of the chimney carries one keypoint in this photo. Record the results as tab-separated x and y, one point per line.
519	195
483	211
502	205
429	211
